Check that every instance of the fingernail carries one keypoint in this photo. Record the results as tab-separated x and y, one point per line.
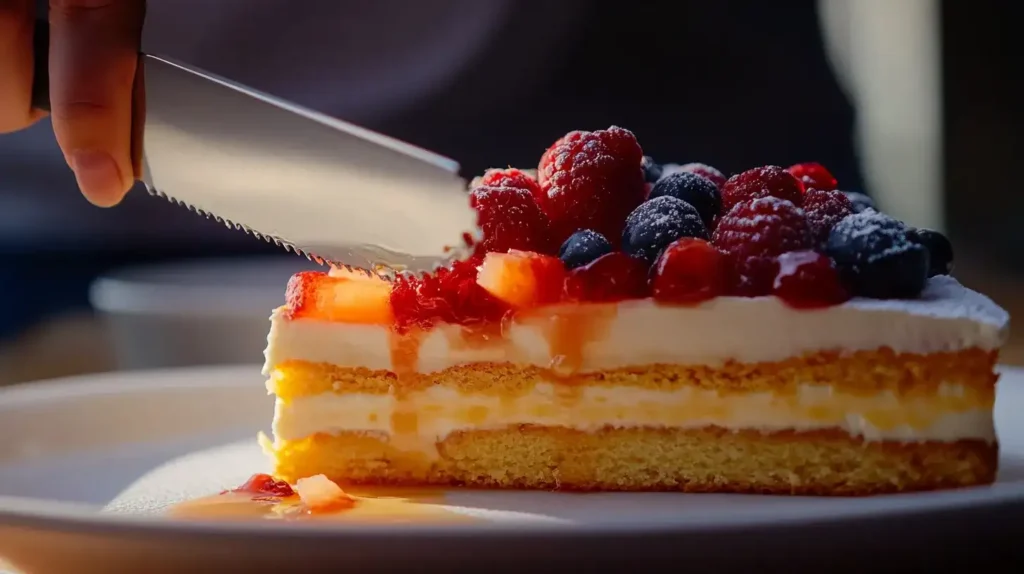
98	176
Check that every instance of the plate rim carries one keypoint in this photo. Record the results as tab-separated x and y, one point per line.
62	516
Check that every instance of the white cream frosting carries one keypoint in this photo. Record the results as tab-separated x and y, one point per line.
954	414
946	317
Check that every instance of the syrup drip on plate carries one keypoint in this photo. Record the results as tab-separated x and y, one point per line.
364	505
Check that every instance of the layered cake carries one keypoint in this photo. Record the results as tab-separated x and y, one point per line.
625	325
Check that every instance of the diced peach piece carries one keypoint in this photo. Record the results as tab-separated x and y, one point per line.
522	279
315	294
343	273
320	494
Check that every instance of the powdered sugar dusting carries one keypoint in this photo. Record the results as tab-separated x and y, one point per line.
944	298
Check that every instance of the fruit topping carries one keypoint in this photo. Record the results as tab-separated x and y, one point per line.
718	178
317	295
697	190
510	219
689	271
319	494
609	278
658	222
860	201
583	247
753	233
266	485
876	258
940	250
450	295
591	180
824	209
510	177
814	175
522	279
652	170
807	279
765	181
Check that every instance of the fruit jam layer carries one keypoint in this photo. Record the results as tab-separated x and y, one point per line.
594	337
429	415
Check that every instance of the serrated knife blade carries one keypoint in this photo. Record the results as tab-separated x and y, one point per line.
333	191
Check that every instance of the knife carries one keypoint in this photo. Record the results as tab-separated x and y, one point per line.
335	192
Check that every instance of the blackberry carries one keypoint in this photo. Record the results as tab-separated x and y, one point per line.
697	190
657	223
860	201
583	247
876	257
940	250
652	169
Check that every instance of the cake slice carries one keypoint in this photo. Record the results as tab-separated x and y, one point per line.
693	334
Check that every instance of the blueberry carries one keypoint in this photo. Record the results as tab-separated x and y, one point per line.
658	222
694	189
940	250
876	258
860	201
652	170
583	247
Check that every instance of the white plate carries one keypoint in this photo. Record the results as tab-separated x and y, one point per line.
89	464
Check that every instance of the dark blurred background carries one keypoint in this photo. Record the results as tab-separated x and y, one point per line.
909	101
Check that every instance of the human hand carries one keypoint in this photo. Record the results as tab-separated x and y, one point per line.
93	54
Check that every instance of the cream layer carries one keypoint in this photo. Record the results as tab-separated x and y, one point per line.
947	317
953	413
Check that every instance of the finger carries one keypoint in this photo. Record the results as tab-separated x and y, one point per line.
16	25
94	48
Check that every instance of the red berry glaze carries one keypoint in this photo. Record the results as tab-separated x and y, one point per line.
510	219
765	181
591	180
611	277
824	209
753	233
689	271
267	485
716	177
814	175
511	177
807	280
450	295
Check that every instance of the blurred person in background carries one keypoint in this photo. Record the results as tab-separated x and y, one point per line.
732	83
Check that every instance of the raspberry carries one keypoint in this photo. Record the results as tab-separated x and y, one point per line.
689	271
266	484
448	295
813	175
824	209
751	277
591	180
716	177
609	278
753	233
510	219
769	180
511	177
807	279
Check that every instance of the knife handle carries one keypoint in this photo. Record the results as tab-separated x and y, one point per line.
41	66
